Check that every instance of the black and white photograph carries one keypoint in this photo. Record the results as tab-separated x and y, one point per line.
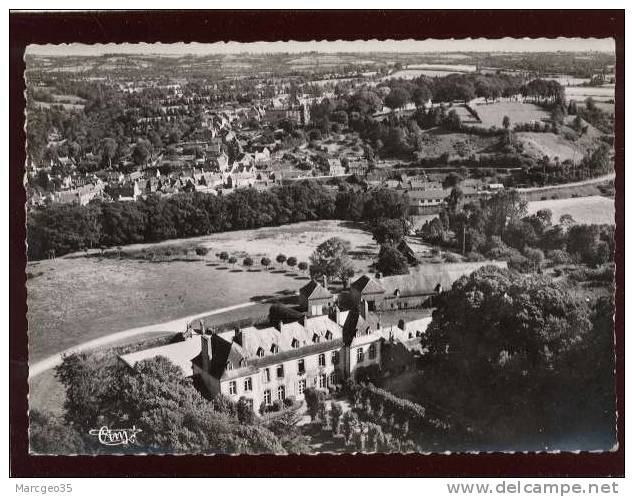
321	247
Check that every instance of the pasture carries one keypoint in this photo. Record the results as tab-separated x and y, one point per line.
599	93
584	210
492	114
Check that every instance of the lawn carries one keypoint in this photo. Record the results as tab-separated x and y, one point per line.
518	112
81	297
587	210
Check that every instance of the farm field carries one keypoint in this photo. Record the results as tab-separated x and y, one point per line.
518	112
66	106
587	210
127	293
540	144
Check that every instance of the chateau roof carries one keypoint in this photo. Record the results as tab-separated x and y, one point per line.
314	290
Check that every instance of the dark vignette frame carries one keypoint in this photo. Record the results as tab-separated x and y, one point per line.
211	26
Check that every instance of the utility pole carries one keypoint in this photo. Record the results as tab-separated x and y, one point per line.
463	238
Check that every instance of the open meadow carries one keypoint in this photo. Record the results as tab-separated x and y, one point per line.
586	210
81	297
492	114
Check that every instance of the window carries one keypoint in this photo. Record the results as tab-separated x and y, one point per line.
248	384
267	397
249	403
322	359
260	352
335	357
328	335
372	351
322	381
295	343
280	371
267	375
232	388
281	392
333	379
315	338
301	386
229	366
274	349
359	354
300	367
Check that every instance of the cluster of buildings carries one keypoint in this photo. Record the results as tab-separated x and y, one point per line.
324	348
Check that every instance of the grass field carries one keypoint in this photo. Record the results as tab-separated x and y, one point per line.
518	112
78	298
586	210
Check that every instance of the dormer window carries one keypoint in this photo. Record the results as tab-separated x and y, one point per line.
260	352
295	343
328	335
274	349
243	362
316	338
229	366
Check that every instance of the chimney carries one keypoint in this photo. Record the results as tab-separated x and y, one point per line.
378	276
325	281
206	352
279	325
202	327
364	309
337	315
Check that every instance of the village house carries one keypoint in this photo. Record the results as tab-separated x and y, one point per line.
423	201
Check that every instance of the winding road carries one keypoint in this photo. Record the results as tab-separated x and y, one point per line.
174	325
591	181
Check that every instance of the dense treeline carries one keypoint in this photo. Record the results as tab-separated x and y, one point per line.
172	416
509	353
60	229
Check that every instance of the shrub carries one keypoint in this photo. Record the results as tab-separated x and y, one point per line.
559	256
202	251
223	256
474	257
449	257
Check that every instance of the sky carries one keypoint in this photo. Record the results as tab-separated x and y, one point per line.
470	45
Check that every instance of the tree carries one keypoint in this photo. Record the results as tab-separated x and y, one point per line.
232	260
141	152
421	95
314	399
223	256
350	423
50	435
336	412
302	266
397	98
391	261
291	261
108	150
330	259
388	231
202	251
247	262
265	261
281	258
501	337
506	122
